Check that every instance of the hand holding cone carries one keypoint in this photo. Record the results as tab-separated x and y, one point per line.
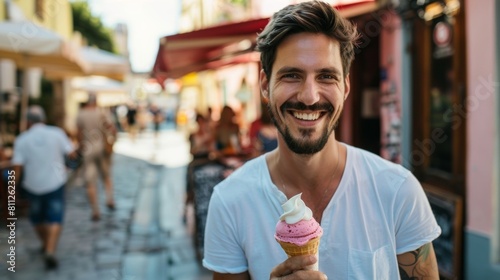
297	232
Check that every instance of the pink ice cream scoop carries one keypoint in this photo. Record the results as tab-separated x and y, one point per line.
299	233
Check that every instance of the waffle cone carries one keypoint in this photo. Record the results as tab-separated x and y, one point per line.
310	248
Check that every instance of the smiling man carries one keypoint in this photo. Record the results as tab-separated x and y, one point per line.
376	219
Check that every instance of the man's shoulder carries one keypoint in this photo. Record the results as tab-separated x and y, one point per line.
31	132
248	175
254	165
54	130
382	171
21	138
373	159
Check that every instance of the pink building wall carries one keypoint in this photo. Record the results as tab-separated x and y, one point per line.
480	104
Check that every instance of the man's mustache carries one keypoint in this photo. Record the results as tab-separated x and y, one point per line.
303	107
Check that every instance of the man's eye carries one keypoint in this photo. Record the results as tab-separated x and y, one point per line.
290	76
328	76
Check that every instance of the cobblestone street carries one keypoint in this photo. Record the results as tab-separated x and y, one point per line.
144	238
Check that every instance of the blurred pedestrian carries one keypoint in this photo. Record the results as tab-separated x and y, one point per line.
202	139
267	136
121	116
210	118
3	156
202	144
94	129
132	127
157	115
116	118
263	133
39	154
142	117
227	133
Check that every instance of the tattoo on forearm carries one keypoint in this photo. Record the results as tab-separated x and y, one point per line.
414	271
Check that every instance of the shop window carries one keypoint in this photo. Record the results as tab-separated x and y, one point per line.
441	97
438	153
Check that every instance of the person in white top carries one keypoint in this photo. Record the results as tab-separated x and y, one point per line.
39	153
377	222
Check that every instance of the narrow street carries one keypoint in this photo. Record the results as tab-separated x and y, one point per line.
145	238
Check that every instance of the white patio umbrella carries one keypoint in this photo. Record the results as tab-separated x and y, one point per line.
104	63
28	37
30	45
109	92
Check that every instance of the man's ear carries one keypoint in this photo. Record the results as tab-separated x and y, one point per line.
347	86
264	84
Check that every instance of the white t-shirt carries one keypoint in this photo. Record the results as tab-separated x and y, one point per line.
40	150
378	211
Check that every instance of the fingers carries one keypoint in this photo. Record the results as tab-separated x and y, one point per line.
296	268
306	275
293	264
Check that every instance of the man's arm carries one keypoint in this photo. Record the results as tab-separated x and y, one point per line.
419	264
240	276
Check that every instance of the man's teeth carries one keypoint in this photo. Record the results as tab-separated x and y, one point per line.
306	116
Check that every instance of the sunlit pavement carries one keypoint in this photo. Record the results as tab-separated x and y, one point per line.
169	148
144	238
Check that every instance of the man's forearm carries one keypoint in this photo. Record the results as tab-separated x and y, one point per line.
419	264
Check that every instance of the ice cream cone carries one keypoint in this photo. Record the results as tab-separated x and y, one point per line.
310	248
297	231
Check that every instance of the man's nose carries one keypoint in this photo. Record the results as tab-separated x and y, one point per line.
309	94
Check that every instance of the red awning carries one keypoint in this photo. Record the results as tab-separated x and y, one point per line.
222	45
207	48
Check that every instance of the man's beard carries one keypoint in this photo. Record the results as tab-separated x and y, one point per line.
305	146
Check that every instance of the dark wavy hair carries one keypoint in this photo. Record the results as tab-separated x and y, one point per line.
313	17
